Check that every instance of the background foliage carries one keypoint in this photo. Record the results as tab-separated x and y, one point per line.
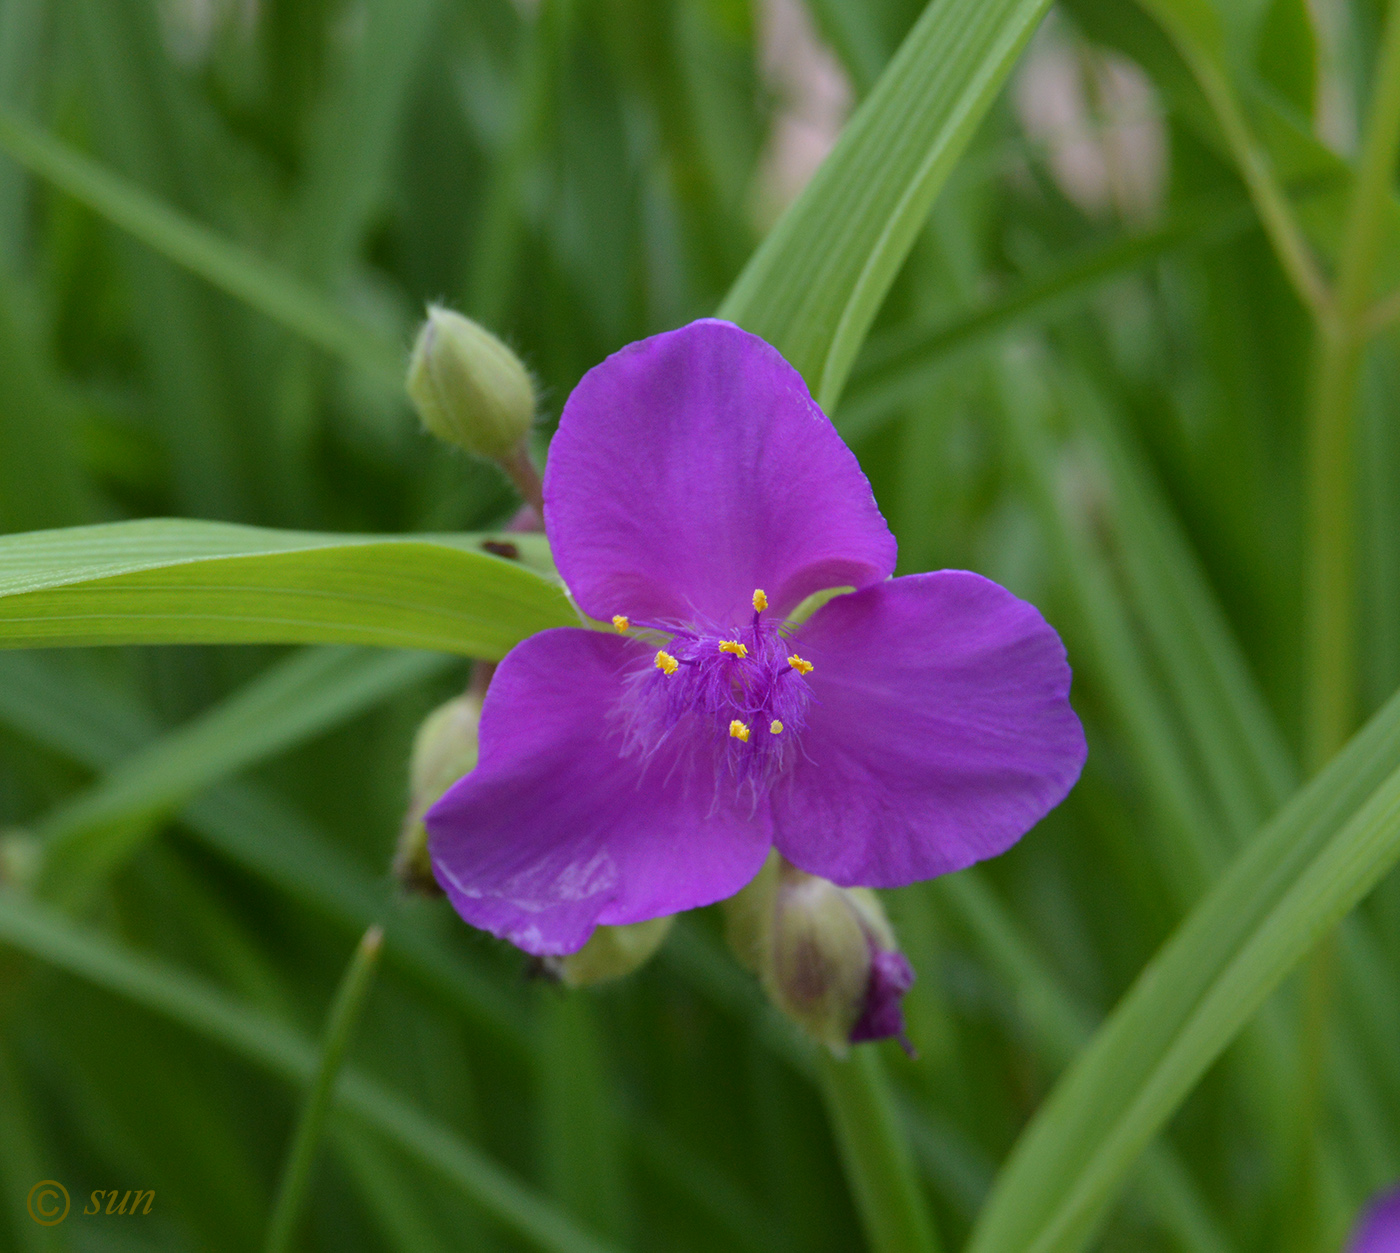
1092	373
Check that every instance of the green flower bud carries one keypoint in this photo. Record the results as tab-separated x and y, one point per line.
443	751
826	955
611	953
468	387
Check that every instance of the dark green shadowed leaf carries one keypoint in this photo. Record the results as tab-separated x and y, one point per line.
261	284
270	1044
95	831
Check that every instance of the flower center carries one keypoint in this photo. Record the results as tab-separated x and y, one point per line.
735	696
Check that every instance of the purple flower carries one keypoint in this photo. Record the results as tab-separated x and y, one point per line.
1379	1228
695	496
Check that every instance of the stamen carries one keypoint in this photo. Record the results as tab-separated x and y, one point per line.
760	600
666	663
776	728
733	646
739	730
621	623
802	667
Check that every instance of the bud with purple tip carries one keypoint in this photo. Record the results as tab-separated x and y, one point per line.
826	955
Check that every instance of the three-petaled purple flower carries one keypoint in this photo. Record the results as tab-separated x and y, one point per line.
696	495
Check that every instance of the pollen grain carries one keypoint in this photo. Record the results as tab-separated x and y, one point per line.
739	730
776	728
802	667
666	663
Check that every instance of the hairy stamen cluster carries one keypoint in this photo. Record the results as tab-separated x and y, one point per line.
738	695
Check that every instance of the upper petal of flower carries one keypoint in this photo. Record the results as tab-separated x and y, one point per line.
693	467
1379	1228
555	832
940	731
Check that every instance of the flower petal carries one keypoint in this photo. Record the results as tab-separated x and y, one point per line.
939	733
693	467
554	832
1379	1228
882	1016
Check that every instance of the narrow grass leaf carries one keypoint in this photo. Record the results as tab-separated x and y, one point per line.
93	832
265	1042
229	266
819	278
306	1139
1293	883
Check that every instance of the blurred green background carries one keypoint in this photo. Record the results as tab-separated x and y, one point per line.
1088	382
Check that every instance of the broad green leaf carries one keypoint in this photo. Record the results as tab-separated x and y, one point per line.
169	581
816	283
229	266
1297	879
266	1042
91	833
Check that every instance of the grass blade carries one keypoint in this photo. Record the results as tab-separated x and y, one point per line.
340	1026
92	833
816	283
268	1043
229	266
1294	882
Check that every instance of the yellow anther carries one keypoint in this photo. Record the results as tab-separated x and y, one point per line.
739	730
733	646
620	622
666	663
776	728
760	600
802	667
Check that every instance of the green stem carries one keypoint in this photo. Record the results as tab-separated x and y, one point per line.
345	1012
1342	330
1331	571
878	1166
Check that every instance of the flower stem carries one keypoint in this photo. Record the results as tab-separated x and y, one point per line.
878	1166
345	1012
521	471
1342	331
1343	327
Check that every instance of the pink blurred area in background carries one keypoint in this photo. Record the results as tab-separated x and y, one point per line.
1095	117
813	98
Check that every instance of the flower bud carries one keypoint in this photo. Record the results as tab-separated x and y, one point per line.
826	955
611	953
443	751
468	387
